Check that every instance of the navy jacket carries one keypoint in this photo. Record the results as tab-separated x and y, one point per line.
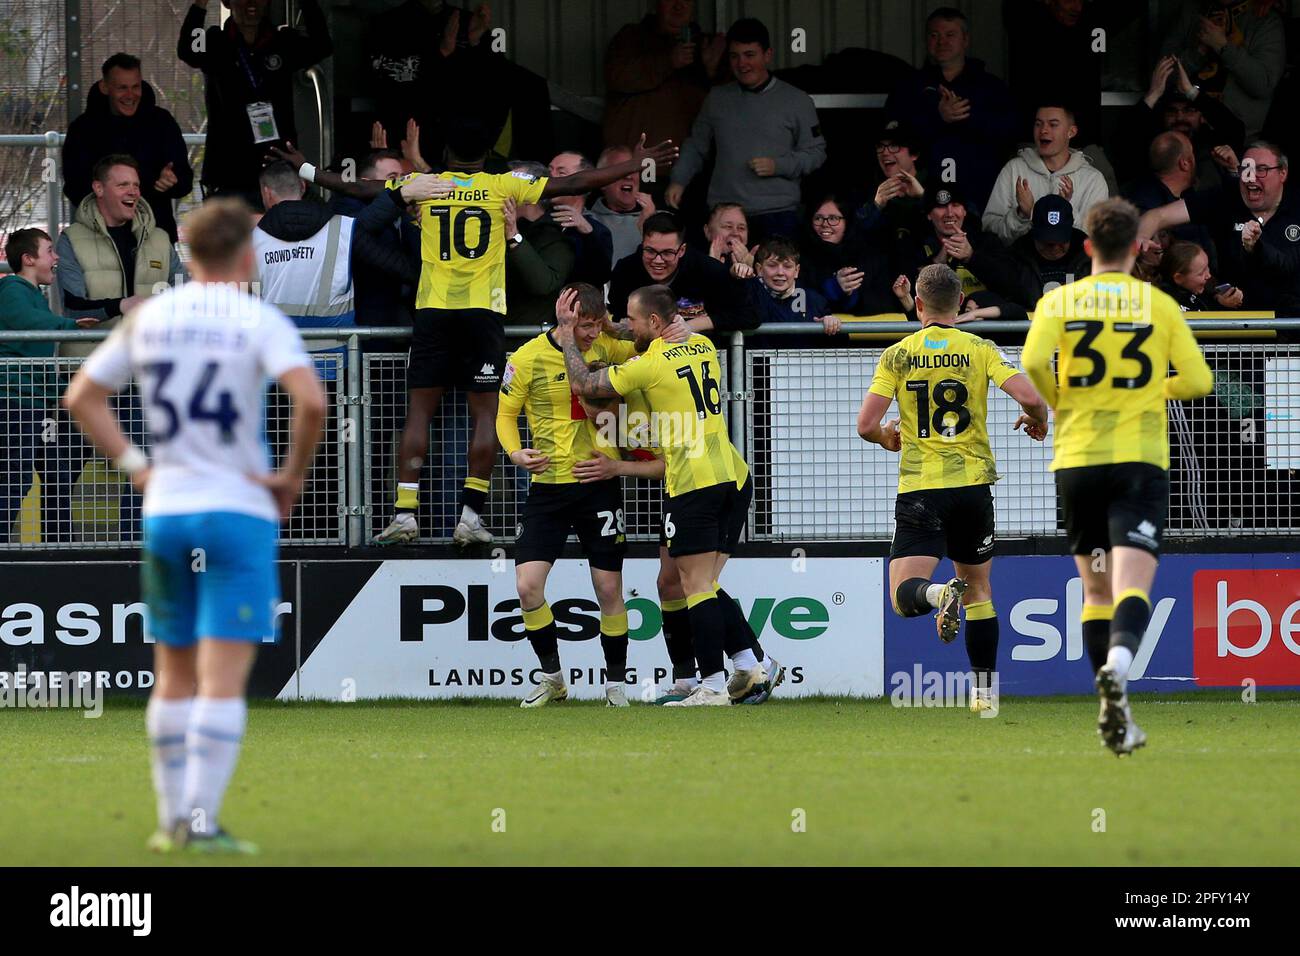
699	282
150	137
382	298
980	144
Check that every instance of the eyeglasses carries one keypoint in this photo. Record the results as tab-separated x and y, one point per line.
827	220
662	255
888	147
1244	168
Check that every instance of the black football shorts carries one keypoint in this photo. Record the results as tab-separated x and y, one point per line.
457	348
1107	506
944	522
593	512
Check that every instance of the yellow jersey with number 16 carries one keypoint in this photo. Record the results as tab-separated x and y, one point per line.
1115	337
463	239
682	384
940	376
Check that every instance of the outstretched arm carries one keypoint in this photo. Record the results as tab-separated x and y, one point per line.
358	188
588	180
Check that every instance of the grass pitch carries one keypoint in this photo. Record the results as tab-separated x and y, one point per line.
424	784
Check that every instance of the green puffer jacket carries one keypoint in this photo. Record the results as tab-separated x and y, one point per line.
90	267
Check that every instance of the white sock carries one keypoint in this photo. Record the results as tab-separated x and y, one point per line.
167	722
934	594
556	678
690	683
1119	660
769	665
613	683
744	660
716	682
212	748
469	515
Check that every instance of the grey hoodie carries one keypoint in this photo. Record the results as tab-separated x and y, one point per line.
1001	217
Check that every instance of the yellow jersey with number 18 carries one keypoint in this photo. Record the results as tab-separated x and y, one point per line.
682	384
1115	337
940	376
463	239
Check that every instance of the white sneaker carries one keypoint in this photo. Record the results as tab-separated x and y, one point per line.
615	697
401	530
1115	722
550	689
742	682
468	533
677	690
703	697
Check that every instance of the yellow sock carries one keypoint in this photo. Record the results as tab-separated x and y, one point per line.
1133	592
408	497
980	611
1097	612
538	617
673	604
613	625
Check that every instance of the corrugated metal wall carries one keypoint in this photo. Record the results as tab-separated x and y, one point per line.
564	40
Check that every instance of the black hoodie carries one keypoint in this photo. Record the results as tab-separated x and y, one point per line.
150	137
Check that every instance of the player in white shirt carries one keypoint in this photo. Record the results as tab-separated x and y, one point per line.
202	355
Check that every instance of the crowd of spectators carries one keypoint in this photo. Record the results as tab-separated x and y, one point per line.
748	226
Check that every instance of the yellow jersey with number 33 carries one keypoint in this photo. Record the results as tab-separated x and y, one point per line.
940	376
1115	337
682	384
463	239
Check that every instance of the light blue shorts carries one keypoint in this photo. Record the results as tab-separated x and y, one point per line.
210	575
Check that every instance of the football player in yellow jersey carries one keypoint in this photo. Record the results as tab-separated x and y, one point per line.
536	383
705	499
640	457
459	329
940	377
1114	337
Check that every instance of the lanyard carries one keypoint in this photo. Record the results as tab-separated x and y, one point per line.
248	69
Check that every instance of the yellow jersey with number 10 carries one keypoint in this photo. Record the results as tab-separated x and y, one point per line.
682	384
940	376
463	239
1116	337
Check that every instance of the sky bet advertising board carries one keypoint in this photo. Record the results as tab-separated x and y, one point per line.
1216	621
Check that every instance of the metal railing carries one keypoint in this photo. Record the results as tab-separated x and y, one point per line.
1235	467
52	141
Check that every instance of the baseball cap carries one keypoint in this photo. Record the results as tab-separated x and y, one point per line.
1053	220
900	134
941	194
